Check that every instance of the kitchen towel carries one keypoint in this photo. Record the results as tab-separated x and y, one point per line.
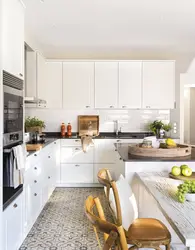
86	142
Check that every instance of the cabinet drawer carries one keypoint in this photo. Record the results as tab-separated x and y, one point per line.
76	155
76	173
70	142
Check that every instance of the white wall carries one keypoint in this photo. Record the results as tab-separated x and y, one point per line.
129	120
192	116
187	115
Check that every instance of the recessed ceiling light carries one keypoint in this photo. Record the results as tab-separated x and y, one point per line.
42	1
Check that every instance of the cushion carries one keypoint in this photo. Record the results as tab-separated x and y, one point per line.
128	203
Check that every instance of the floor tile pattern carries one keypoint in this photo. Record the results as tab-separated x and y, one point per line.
62	225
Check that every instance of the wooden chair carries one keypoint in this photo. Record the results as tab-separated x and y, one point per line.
114	236
143	232
105	178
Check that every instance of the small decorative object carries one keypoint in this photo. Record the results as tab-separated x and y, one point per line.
34	125
63	131
157	127
69	130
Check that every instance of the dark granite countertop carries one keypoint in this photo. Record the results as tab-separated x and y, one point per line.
102	135
47	142
122	149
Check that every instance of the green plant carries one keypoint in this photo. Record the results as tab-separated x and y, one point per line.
34	122
167	127
157	125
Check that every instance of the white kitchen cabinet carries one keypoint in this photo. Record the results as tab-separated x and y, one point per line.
104	151
78	84
130	85
31	74
158	84
70	142
13	224
76	155
50	85
41	77
13	37
106	85
76	173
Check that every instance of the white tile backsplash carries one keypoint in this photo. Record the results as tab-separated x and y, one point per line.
129	120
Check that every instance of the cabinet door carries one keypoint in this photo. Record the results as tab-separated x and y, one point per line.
159	84
31	74
106	85
76	173
50	89
41	76
78	83
130	84
13	37
13	224
76	155
104	151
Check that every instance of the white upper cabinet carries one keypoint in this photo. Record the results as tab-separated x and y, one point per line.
13	37
50	85
41	75
31	74
158	84
106	85
130	84
78	84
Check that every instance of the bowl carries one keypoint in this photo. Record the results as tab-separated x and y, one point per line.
190	197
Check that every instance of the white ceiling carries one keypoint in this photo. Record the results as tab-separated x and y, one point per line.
112	28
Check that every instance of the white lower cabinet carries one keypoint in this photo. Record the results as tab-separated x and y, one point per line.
76	155
77	173
13	224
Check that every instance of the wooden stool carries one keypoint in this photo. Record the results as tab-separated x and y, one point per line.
113	235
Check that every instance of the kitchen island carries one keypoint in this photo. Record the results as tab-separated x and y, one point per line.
133	164
156	194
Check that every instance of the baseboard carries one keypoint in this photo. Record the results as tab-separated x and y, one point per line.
78	185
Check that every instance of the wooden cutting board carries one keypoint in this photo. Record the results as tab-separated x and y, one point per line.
33	147
183	178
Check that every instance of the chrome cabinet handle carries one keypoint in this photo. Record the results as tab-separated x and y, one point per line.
35	168
77	140
35	154
120	159
118	140
148	107
111	106
20	74
15	205
35	194
49	177
54	142
35	181
77	165
77	149
115	150
87	106
124	107
49	156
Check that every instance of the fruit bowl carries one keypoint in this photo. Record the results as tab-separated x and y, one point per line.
190	197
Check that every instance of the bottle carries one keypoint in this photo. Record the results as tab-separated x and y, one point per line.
69	129
63	130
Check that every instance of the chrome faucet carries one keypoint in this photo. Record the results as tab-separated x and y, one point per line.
117	130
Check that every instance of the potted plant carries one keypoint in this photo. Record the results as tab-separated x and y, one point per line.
157	126
34	125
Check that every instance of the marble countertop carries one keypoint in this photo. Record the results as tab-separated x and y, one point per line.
179	215
122	149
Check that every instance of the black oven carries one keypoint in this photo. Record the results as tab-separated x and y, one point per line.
13	132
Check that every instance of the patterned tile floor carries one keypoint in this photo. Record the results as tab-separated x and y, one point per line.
62	225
